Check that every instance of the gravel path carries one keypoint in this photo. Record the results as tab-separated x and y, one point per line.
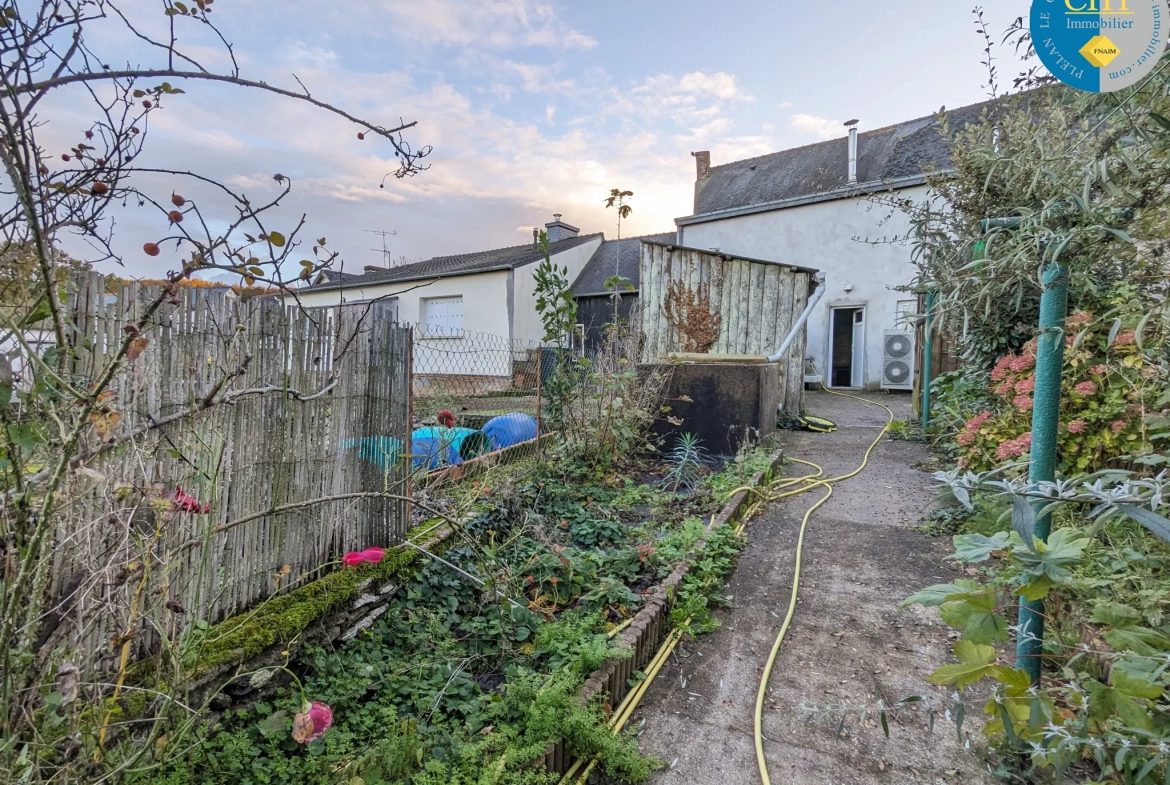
848	646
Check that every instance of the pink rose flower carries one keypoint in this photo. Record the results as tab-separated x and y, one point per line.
1076	426
311	722
1118	426
1023	402
1026	385
369	555
373	555
186	503
1085	388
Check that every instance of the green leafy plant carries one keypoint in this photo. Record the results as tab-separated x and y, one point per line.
686	460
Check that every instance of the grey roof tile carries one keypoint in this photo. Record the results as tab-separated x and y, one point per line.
896	152
600	268
462	264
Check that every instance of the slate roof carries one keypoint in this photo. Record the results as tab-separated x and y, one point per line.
450	266
332	276
600	268
892	155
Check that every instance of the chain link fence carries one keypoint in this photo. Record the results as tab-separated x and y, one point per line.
477	399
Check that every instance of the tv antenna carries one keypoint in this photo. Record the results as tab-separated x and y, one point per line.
383	250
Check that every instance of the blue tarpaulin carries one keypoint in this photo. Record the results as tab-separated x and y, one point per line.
382	450
509	429
438	446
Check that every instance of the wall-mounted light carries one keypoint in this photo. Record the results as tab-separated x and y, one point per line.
848	288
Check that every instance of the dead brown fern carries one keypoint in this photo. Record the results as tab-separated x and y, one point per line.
689	312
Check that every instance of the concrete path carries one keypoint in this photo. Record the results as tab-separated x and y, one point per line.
848	646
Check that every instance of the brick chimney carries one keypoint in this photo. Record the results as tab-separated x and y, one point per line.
559	230
702	165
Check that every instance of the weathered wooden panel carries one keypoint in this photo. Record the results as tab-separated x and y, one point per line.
757	341
755	300
792	399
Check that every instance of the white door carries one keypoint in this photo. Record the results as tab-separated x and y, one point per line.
856	375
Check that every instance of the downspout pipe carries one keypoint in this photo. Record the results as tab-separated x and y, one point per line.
819	280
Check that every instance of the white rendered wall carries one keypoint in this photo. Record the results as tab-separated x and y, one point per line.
485	311
827	236
526	327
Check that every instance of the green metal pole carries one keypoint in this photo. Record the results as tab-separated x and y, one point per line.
1045	425
927	360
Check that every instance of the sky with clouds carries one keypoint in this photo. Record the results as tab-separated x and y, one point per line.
535	106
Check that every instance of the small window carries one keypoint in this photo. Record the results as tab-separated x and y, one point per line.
907	314
442	317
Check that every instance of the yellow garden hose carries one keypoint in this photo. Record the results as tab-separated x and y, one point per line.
806	483
779	489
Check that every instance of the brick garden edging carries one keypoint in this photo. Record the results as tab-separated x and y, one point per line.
650	625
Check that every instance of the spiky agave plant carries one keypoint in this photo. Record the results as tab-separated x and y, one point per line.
685	460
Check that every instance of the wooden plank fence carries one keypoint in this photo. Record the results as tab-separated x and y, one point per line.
305	404
759	303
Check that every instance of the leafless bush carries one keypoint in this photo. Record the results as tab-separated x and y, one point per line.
60	413
689	312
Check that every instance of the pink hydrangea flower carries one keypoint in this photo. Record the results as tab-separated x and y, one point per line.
1005	388
1076	426
965	438
976	422
1079	318
1085	388
311	722
1026	439
1000	371
1026	385
1099	370
1010	450
1118	426
964	463
1023	362
1127	338
1022	402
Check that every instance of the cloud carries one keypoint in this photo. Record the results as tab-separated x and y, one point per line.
819	127
493	23
532	77
500	164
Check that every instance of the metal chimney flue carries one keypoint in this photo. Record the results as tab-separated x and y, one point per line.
852	125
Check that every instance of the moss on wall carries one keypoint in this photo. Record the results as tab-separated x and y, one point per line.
280	619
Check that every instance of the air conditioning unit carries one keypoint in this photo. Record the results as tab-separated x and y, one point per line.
898	360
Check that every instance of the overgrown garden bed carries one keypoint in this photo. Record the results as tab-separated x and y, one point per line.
477	665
